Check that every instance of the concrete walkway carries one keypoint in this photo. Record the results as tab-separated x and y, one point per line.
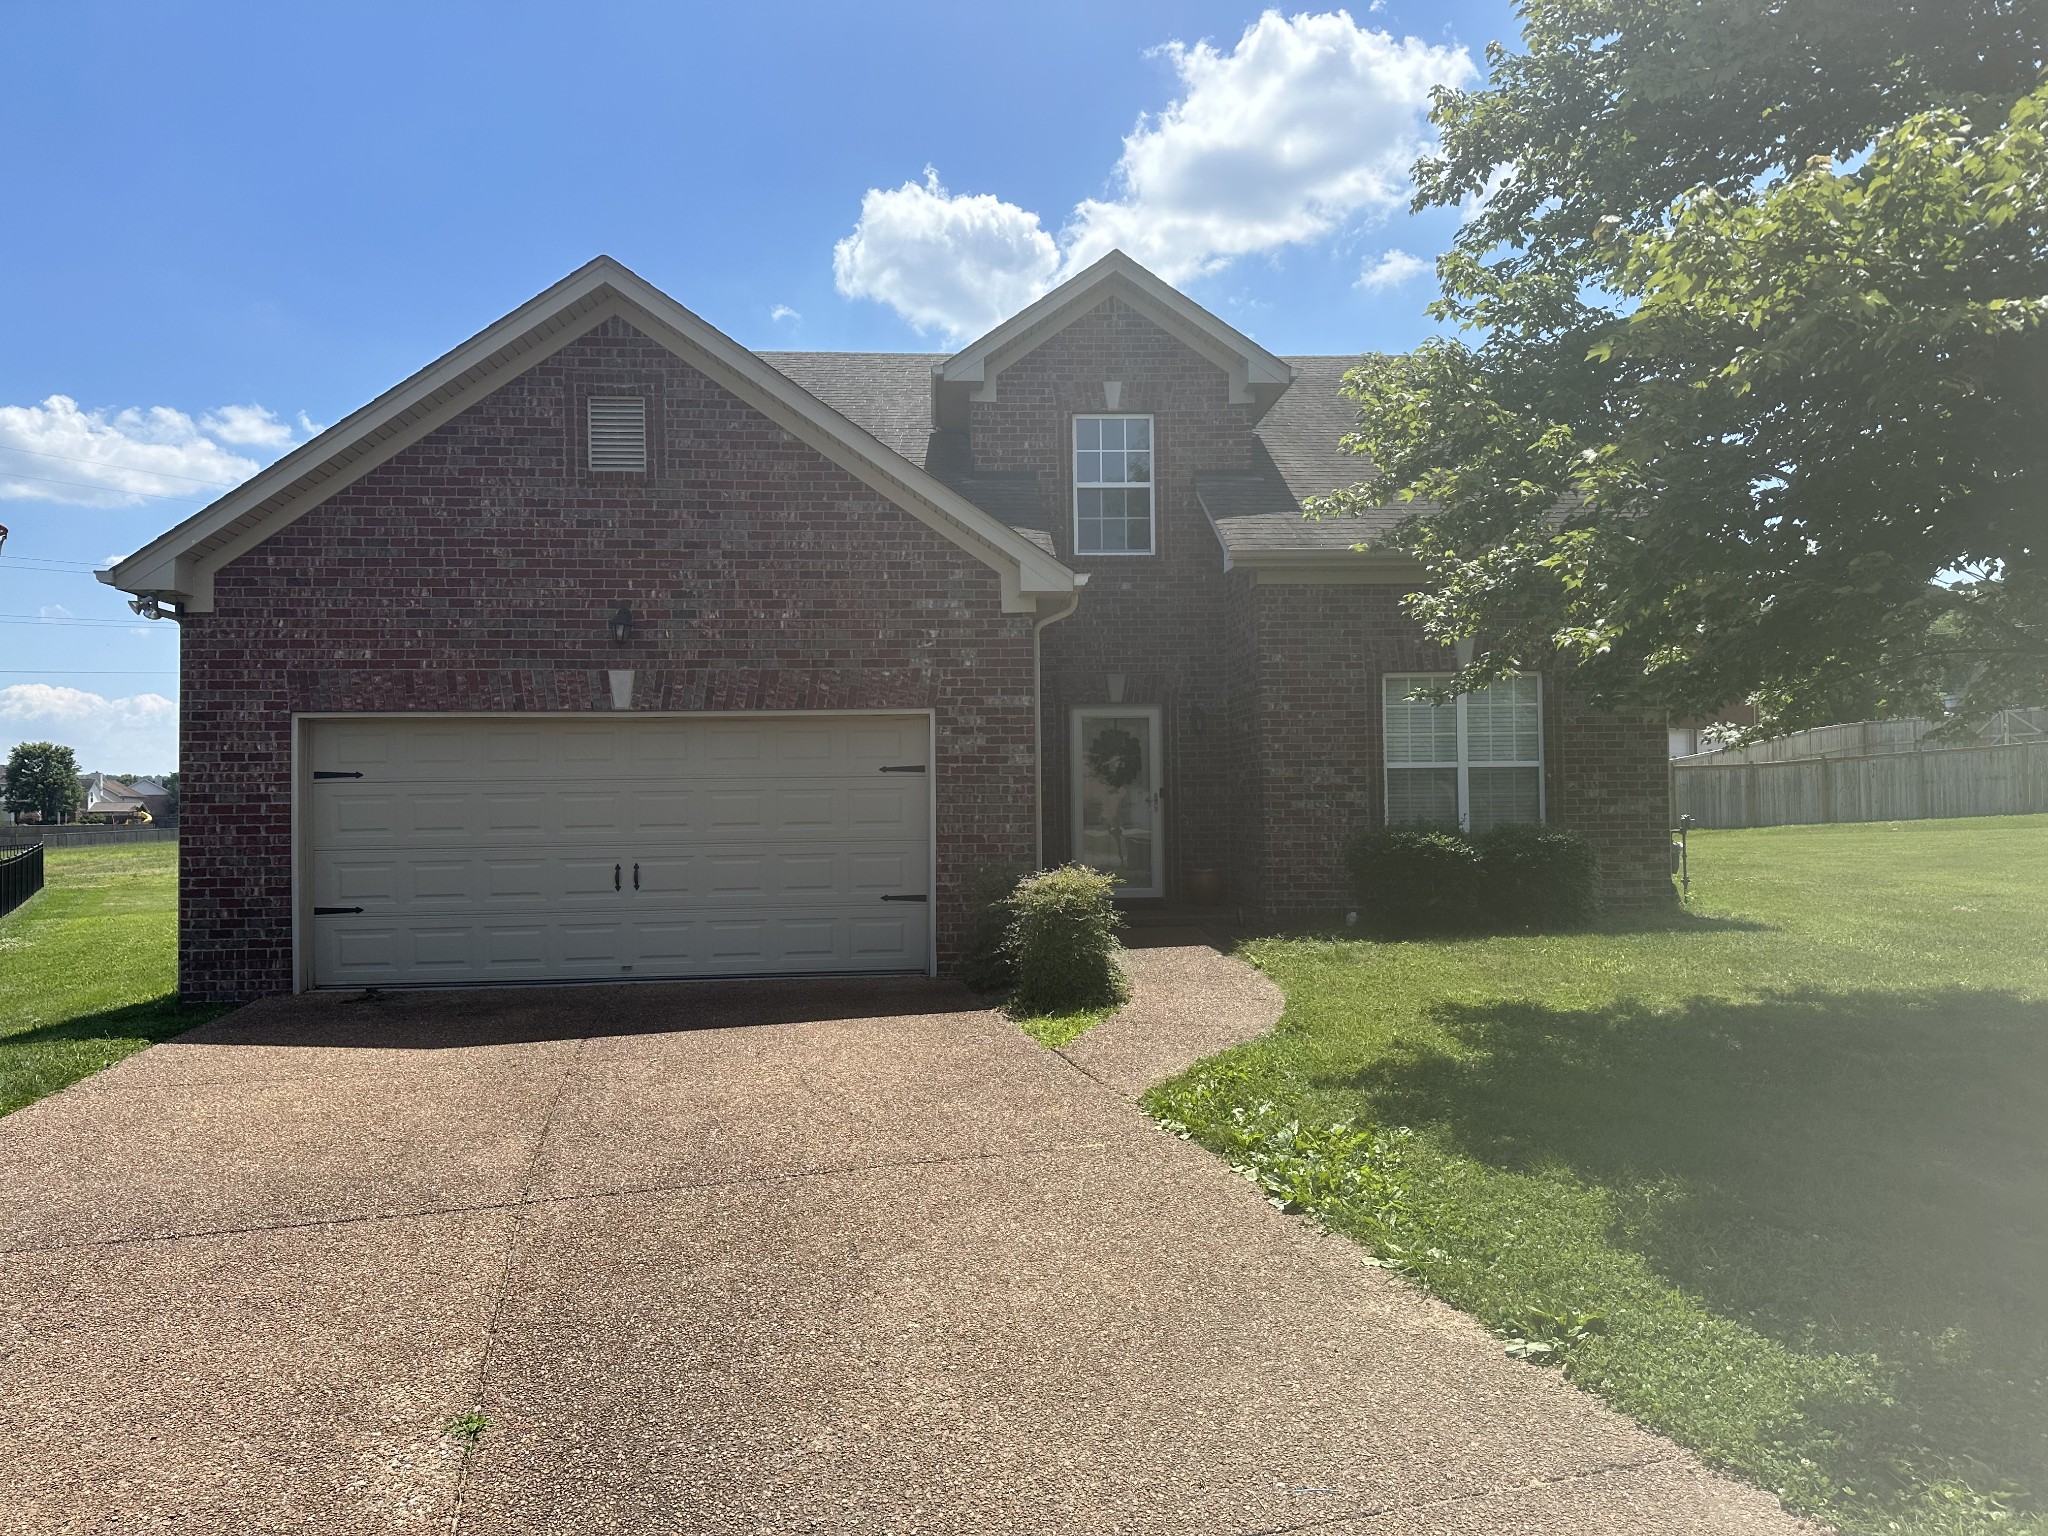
775	1257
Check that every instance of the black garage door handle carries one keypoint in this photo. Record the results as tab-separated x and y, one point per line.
906	898
334	911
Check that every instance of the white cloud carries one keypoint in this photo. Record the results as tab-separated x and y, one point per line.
783	312
54	611
247	426
953	265
1393	268
1308	123
138	733
64	453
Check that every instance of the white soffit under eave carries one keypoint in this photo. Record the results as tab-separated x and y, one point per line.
1249	365
180	563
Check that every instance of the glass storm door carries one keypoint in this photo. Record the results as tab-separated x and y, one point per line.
1118	820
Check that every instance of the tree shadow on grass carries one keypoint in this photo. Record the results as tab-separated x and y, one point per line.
1856	1172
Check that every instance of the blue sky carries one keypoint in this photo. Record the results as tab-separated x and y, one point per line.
227	225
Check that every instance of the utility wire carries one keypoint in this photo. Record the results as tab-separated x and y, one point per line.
87	485
161	474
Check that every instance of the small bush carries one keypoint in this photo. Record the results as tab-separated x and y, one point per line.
1062	942
985	963
1415	879
1436	879
1535	878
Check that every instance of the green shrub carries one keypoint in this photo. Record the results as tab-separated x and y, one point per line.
1062	942
1435	879
1416	878
1535	877
985	963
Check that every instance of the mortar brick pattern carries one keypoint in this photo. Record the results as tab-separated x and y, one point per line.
475	570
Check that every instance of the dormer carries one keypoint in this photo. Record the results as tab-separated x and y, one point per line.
974	373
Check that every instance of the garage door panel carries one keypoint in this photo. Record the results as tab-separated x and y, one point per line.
762	846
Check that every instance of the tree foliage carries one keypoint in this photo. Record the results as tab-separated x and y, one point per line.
1751	395
43	777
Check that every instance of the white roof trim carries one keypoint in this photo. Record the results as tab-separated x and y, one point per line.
1256	375
179	565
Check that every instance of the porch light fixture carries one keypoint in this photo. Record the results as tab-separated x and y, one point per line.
621	624
1115	680
1464	648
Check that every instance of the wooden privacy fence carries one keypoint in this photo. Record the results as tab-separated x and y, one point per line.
83	837
1887	786
21	876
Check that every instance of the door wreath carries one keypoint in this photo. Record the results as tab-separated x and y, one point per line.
1116	757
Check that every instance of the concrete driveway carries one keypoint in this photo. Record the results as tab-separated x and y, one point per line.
833	1256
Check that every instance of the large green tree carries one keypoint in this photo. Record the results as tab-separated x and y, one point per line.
1749	397
43	777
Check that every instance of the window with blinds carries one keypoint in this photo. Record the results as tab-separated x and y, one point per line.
1474	762
617	434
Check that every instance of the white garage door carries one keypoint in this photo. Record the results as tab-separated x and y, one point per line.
464	849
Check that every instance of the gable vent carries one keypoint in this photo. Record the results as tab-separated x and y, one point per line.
618	433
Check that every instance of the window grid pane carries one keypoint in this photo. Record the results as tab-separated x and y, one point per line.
1422	794
1503	794
1112	485
1502	722
1416	730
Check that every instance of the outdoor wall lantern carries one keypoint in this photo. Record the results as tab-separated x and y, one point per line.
1115	680
621	624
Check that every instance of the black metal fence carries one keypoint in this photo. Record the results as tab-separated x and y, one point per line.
21	876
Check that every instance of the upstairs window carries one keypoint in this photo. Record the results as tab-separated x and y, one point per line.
1112	485
618	434
1474	762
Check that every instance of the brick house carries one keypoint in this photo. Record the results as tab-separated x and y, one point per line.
606	648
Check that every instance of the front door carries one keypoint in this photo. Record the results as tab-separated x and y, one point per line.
1118	818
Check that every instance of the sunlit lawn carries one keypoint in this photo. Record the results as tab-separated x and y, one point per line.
1790	1156
88	967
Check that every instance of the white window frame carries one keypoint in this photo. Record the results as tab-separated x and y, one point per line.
1151	487
1464	765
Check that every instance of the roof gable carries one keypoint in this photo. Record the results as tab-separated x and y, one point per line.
178	566
1257	377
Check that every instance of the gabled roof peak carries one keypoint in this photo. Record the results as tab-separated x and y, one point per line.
1257	377
178	566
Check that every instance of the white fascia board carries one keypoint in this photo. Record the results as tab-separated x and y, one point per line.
177	564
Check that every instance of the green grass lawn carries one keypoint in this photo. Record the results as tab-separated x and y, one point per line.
1772	1177
88	967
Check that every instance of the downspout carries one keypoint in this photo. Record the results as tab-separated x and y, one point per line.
1038	719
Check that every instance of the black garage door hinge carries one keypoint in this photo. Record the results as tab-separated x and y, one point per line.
903	768
322	773
333	911
906	898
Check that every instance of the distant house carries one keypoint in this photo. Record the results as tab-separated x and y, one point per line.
114	800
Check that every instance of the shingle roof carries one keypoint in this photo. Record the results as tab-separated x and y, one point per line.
1300	451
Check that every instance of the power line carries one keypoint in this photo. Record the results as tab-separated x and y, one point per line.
87	485
161	474
85	565
26	618
73	672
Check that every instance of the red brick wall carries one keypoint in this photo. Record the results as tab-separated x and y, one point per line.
1315	733
475	570
1155	618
